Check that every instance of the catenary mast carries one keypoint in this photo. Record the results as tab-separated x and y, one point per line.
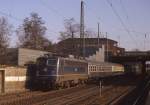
82	37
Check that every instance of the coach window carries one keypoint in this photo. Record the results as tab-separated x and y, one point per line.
90	68
99	68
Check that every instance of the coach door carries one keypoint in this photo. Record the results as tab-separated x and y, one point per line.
1	81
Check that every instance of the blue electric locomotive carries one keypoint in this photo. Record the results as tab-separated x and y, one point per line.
61	72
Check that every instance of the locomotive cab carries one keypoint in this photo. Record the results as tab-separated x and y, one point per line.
46	71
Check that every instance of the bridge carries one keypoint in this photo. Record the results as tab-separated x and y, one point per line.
139	57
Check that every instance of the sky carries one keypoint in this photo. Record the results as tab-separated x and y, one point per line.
126	21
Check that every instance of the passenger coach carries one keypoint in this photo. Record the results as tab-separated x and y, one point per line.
98	70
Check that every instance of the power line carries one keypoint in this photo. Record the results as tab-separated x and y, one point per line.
126	13
52	9
119	18
93	12
56	12
98	18
139	32
10	16
124	9
133	31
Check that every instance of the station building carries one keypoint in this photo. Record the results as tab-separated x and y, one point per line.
74	46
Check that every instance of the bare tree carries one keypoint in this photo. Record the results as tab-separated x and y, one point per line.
5	30
72	29
31	33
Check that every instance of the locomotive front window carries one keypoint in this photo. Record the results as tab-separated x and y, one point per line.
52	62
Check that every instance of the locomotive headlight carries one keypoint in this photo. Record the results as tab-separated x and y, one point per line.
76	69
45	69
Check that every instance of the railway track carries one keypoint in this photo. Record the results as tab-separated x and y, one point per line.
82	95
70	98
86	96
34	97
96	99
19	94
55	96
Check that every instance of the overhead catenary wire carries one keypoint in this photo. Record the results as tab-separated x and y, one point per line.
118	16
52	9
124	9
10	16
98	18
127	16
137	32
93	12
121	21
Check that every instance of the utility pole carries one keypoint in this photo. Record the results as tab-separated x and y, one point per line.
98	35
82	29
82	20
119	40
144	42
106	47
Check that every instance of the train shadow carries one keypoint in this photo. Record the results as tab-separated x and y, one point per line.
122	80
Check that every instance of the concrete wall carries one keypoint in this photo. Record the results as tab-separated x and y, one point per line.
99	56
14	79
27	55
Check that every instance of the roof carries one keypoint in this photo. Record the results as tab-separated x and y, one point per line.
89	39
